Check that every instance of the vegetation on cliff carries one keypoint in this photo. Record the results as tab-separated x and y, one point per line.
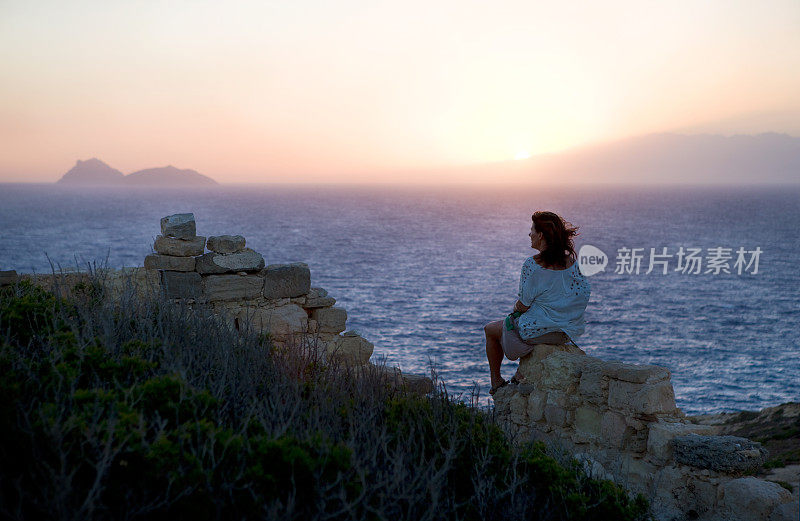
139	408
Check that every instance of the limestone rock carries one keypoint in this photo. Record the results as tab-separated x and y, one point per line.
614	430
536	403
752	499
518	412
179	226
644	398
350	348
588	421
530	365
319	302
729	454
231	287
8	277
330	320
286	280
562	370
225	243
246	260
317	292
661	434
180	247
281	322
168	262
417	383
413	383
178	284
593	386
555	415
635	373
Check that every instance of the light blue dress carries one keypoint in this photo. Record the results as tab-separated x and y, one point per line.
557	300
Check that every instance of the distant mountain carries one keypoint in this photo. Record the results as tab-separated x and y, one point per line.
92	172
168	176
95	172
666	158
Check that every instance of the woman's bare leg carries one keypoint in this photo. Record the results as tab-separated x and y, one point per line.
494	351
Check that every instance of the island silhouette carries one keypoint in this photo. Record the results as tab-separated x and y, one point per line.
97	173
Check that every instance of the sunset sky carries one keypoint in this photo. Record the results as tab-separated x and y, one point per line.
363	90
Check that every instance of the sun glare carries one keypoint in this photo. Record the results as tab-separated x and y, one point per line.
522	154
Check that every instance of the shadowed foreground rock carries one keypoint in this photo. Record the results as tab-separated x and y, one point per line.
621	421
729	454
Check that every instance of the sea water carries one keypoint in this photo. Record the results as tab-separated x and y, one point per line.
420	270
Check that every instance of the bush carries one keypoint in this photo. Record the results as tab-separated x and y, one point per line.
139	408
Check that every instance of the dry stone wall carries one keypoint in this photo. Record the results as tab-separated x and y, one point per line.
236	283
622	422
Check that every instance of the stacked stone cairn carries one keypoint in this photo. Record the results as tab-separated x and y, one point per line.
621	421
277	299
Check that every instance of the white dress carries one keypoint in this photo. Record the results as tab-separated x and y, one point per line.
557	300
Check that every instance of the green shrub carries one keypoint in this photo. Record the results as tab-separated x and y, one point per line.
154	411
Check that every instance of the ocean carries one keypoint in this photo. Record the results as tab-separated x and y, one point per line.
420	270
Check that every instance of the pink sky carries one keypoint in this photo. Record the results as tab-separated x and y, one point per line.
352	91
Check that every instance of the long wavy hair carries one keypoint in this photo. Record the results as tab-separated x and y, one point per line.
558	234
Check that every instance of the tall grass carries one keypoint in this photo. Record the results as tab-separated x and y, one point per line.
138	408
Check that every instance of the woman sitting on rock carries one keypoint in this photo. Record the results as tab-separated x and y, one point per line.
553	294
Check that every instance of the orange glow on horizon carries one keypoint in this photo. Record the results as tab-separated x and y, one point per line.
362	92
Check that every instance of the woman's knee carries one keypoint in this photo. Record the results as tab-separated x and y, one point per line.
492	329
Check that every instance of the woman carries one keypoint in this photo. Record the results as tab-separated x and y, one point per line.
553	294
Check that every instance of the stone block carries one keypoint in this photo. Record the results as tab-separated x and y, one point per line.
751	498
330	320
168	262
8	277
316	292
180	247
177	284
502	401
179	226
536	403
635	441
640	472
729	454
558	398
518	412
287	280
655	398
588	421
613	429
530	371
414	383
246	261
636	373
556	416
231	287
562	370
225	243
417	383
281	323
350	348
319	302
661	434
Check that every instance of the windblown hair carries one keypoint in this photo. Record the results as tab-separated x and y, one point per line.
558	234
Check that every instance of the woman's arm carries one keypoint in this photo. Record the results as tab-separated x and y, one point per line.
519	306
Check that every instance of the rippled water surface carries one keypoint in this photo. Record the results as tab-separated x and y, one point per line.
420	270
